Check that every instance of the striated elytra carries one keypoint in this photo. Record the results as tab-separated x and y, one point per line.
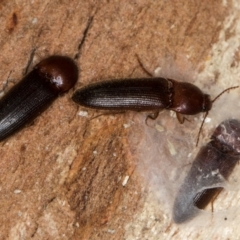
212	166
144	94
35	92
147	94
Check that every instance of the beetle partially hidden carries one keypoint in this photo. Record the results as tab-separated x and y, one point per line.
146	94
210	169
35	92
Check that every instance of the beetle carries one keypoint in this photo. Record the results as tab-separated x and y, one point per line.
35	92
147	94
211	168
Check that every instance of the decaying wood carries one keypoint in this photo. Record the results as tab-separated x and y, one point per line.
62	176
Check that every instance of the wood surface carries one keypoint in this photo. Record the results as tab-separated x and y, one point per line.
69	176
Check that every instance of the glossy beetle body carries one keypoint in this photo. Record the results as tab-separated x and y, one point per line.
145	94
35	92
212	166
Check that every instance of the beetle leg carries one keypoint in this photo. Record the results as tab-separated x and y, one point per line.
181	118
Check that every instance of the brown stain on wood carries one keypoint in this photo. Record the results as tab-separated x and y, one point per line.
94	183
12	22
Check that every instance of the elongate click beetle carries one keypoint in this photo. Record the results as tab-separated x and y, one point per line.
146	94
35	92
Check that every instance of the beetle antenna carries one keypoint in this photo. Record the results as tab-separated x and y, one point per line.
200	129
226	90
142	66
220	94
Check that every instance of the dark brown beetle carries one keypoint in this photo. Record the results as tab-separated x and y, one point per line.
146	94
35	92
210	169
